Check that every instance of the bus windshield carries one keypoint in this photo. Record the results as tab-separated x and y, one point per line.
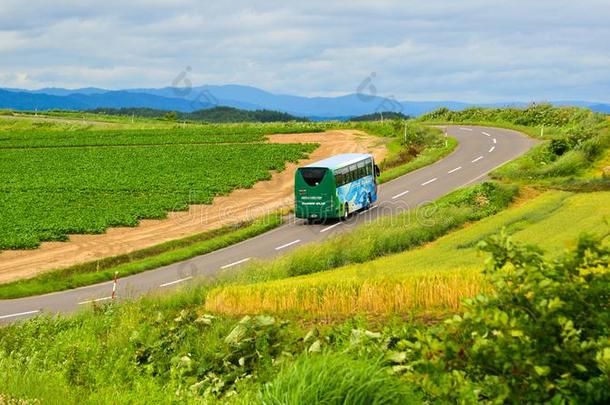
312	175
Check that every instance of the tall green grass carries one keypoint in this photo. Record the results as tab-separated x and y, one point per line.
336	379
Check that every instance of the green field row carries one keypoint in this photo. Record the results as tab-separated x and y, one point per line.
159	136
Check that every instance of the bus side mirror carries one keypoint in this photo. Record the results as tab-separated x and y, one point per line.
377	171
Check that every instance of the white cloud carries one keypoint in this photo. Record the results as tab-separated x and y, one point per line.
471	50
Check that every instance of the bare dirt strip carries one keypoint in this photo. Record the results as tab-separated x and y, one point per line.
238	206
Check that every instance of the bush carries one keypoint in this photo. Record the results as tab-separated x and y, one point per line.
336	379
532	115
560	146
541	337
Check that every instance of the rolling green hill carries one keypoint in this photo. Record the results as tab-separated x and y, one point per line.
214	115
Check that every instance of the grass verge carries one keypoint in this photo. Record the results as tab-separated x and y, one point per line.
425	158
139	261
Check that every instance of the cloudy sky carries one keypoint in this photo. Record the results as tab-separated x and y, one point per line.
467	50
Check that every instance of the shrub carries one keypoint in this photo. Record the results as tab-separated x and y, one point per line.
532	115
541	337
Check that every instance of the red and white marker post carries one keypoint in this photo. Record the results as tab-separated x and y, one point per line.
116	277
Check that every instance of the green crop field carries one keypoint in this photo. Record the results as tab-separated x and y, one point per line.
56	183
193	134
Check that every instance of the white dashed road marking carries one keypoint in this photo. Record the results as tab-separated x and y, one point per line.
477	159
429	181
400	195
492	149
176	281
494	140
288	244
485	133
465	129
95	300
19	314
226	266
454	170
328	228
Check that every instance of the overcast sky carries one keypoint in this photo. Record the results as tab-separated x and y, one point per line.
466	50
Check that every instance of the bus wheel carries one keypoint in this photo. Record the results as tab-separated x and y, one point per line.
346	212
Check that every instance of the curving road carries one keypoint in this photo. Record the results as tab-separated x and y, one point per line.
480	150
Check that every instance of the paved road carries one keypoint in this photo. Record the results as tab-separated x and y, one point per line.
480	150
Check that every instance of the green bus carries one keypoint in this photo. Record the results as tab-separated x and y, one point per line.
335	187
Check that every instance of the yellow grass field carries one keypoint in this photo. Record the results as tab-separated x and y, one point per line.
434	277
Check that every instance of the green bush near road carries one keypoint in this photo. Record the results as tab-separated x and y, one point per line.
540	337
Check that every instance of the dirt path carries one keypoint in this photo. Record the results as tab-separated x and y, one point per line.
240	205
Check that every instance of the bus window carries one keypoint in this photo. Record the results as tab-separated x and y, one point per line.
353	169
312	175
338	179
361	170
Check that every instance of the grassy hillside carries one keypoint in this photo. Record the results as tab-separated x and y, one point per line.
435	277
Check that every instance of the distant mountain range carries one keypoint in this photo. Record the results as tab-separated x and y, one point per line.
242	97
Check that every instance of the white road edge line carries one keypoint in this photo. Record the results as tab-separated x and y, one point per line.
288	244
235	263
400	195
429	181
494	140
176	281
328	228
477	159
19	314
95	300
465	129
454	170
485	133
492	149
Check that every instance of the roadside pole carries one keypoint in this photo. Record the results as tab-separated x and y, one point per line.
116	276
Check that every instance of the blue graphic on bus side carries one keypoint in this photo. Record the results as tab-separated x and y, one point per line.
357	193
